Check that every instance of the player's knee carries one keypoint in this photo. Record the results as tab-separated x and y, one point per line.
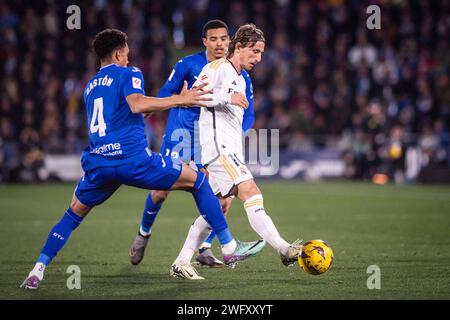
187	180
159	196
79	208
247	189
201	181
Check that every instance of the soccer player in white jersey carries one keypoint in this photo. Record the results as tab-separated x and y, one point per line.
221	141
215	39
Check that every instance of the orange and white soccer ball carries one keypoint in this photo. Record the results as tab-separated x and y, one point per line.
316	257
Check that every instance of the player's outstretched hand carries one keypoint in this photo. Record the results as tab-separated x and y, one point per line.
238	99
195	96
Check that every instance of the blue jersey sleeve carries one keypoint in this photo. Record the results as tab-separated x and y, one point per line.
133	82
174	83
249	114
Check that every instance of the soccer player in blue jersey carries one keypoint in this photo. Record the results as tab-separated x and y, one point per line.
181	135
118	154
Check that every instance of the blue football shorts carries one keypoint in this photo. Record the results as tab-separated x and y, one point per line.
153	172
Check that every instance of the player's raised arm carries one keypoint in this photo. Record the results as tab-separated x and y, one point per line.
140	103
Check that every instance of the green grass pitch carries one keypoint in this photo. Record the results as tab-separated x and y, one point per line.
405	230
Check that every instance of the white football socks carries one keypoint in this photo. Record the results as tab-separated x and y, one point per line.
206	245
263	224
229	247
143	233
38	271
198	233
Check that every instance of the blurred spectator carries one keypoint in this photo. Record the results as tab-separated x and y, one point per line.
9	153
362	53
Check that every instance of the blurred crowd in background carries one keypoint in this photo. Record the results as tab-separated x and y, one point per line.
326	80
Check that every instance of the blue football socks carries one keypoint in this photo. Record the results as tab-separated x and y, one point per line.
59	235
150	212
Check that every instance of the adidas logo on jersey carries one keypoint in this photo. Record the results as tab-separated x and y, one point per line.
234	82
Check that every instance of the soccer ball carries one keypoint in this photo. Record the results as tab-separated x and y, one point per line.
316	257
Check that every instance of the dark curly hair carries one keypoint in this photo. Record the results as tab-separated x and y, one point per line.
247	35
213	24
107	41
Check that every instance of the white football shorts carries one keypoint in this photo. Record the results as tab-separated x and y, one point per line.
226	172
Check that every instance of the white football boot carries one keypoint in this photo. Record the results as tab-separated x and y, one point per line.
184	271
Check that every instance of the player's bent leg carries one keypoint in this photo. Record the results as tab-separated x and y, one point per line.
250	194
152	207
159	196
222	177
164	173
57	238
78	207
94	188
187	179
211	213
247	189
206	201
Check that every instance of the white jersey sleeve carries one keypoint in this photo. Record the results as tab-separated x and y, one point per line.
213	74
